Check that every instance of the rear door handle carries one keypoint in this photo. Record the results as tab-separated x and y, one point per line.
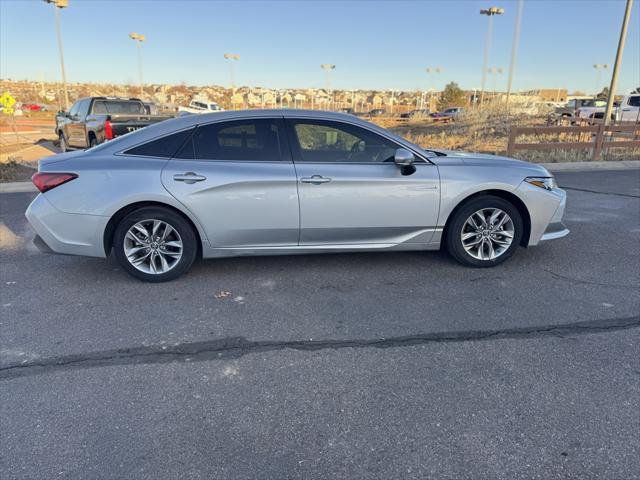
189	177
315	179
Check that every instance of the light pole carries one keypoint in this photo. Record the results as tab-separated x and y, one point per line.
599	67
58	5
430	71
489	12
514	48
138	38
328	68
233	57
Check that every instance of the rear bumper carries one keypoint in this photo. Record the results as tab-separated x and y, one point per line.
66	233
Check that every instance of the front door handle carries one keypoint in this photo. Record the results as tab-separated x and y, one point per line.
189	177
315	179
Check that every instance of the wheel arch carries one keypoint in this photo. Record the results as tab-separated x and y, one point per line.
505	195
115	219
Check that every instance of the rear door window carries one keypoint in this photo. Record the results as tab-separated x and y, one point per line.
248	140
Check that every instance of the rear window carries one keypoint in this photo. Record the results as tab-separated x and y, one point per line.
164	147
125	107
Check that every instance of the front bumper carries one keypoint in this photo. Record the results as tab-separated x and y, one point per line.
555	230
67	233
546	209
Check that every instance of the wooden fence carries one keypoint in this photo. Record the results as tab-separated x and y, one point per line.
599	137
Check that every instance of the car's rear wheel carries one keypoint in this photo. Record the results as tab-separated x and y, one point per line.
155	244
93	142
484	232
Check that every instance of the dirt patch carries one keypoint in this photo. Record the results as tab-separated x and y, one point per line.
12	171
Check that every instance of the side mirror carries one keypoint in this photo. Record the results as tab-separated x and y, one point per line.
404	159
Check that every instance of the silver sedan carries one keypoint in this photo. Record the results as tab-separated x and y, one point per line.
273	182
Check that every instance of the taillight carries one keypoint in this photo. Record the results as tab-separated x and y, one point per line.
45	181
108	131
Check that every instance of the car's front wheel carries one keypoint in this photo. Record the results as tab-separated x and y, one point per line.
484	232
155	244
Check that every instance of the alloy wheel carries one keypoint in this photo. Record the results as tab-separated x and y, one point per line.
487	233
153	246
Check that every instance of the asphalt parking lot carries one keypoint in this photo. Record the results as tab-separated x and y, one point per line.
385	365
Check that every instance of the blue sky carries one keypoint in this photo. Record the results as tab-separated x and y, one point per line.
374	44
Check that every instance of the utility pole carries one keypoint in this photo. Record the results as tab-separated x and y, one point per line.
138	38
494	71
233	57
514	48
57	6
328	68
599	67
430	71
489	12
616	65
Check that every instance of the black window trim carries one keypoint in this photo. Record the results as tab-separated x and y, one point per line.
293	141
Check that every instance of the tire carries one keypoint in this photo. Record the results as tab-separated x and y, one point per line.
63	143
93	142
494	245
157	260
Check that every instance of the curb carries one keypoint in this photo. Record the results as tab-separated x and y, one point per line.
24	187
591	166
17	187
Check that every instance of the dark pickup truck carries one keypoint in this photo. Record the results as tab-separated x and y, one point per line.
94	120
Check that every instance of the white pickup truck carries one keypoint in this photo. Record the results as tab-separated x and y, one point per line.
627	111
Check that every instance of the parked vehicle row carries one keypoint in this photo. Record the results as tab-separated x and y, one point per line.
627	110
264	182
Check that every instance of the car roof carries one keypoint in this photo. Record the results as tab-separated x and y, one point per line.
189	121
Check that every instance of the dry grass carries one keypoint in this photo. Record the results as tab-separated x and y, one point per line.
487	131
13	171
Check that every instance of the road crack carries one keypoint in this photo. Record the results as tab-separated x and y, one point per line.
235	347
586	190
587	282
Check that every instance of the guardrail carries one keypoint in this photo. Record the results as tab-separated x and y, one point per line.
600	137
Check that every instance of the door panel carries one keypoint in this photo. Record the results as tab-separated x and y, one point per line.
239	204
232	177
367	203
351	191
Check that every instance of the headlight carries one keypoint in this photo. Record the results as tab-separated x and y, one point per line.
548	183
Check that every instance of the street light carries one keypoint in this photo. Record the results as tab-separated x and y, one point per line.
138	38
489	12
430	71
234	57
328	68
599	67
59	4
514	48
